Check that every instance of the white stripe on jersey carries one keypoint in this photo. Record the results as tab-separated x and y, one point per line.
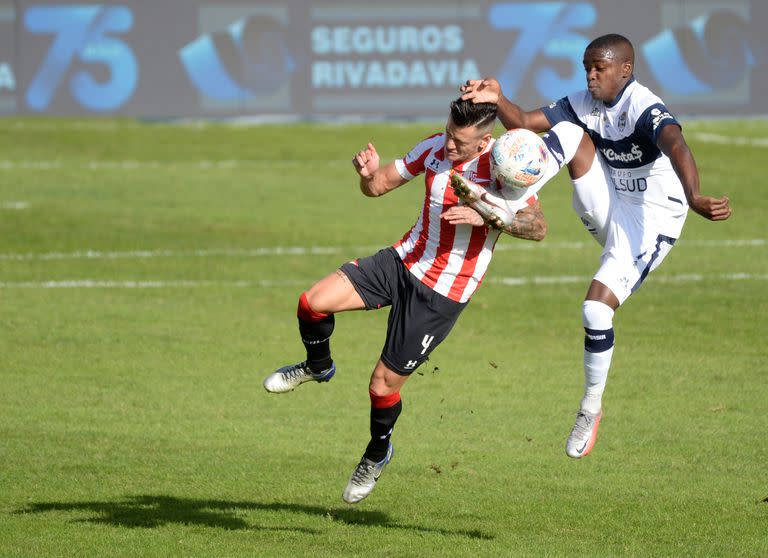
451	259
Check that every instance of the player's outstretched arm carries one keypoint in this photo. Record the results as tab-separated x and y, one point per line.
673	145
375	180
529	223
488	90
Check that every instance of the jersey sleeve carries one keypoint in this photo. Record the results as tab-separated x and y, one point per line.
561	111
412	164
653	120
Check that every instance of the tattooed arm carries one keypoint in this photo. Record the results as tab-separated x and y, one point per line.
485	206
529	223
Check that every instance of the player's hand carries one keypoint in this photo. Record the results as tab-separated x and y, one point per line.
714	209
485	90
462	215
366	161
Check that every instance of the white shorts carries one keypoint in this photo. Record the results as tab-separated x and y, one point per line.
634	246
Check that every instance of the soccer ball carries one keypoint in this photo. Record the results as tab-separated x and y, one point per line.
518	159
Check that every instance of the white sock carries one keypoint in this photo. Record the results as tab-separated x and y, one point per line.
598	350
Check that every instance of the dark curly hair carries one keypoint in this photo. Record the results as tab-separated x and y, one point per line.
613	41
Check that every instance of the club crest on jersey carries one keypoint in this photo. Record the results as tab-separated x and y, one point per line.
472	176
622	121
595	111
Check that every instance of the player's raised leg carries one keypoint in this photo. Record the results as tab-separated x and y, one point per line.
591	198
386	405
315	313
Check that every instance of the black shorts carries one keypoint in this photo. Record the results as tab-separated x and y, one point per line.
419	319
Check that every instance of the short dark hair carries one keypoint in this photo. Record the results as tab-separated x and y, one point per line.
466	113
612	40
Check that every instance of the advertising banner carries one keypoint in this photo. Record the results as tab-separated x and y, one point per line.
297	59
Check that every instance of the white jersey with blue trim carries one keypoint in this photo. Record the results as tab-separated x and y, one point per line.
625	134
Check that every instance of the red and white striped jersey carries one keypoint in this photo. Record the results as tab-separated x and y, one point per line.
450	259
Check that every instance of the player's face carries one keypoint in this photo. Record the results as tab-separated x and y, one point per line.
463	144
606	73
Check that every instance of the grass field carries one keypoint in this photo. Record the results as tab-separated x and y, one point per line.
149	275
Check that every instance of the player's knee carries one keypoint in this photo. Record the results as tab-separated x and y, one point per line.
597	318
306	312
382	399
583	158
596	315
385	381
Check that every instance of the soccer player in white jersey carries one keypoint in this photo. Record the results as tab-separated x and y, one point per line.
633	197
427	277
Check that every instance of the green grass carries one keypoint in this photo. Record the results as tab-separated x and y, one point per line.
133	421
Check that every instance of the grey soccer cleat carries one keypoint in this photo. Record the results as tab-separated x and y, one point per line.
364	478
290	377
465	190
491	207
583	435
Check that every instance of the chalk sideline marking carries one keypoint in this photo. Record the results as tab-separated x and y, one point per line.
14	205
280	251
269	283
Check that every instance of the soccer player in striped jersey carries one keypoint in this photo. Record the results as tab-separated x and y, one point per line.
427	277
633	195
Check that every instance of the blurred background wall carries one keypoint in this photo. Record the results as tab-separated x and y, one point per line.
295	59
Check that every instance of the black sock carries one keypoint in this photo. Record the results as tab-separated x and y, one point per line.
382	424
316	337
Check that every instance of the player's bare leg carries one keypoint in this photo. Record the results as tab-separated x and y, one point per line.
316	310
386	405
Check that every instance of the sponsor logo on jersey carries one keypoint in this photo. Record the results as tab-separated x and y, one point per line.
634	154
433	164
595	111
659	116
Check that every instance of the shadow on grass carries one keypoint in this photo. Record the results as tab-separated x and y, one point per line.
155	511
